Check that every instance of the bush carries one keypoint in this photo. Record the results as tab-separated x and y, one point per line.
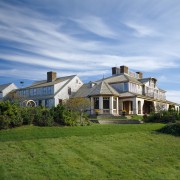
162	117
11	112
63	116
4	122
173	128
57	113
43	117
28	115
70	118
11	115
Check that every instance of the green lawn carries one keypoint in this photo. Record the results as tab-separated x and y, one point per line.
91	152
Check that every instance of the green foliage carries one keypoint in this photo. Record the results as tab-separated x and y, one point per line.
63	116
162	117
4	122
12	115
57	113
28	115
44	117
173	128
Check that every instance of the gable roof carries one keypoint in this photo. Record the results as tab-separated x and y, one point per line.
4	86
44	83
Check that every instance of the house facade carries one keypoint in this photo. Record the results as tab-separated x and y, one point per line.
49	92
5	89
125	91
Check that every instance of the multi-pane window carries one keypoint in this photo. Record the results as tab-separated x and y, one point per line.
125	86
96	103
48	90
44	90
49	102
105	102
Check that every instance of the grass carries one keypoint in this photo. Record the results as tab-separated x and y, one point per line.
91	152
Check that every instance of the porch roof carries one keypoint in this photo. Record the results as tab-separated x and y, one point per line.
103	88
99	88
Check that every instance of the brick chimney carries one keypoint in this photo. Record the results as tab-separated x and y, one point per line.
51	76
124	69
140	75
115	71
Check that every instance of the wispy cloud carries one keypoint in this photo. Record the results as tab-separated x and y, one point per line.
140	30
97	26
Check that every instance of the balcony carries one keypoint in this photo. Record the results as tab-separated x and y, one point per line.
155	95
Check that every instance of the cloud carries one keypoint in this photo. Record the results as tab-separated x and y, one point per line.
173	95
96	25
141	30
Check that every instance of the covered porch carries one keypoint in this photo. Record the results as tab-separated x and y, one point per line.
104	105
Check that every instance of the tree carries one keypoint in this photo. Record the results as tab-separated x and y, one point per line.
78	104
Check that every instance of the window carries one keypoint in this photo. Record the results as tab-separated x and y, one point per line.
44	90
49	102
34	92
125	86
77	81
31	92
96	103
60	101
48	90
106	103
69	90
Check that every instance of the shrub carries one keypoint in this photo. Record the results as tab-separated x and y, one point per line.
4	122
70	118
28	115
57	113
173	128
12	112
162	117
43	117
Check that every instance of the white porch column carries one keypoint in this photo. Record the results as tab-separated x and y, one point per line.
111	105
101	104
92	105
135	105
155	106
142	104
117	105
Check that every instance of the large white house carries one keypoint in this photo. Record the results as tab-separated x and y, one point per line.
50	92
5	89
125	91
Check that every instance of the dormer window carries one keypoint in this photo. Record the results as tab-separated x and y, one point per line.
92	84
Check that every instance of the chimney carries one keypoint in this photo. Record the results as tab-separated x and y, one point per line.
140	75
124	69
51	76
115	71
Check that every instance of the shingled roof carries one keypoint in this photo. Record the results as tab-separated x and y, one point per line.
45	83
99	88
103	88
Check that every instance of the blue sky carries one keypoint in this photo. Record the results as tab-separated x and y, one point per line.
88	37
